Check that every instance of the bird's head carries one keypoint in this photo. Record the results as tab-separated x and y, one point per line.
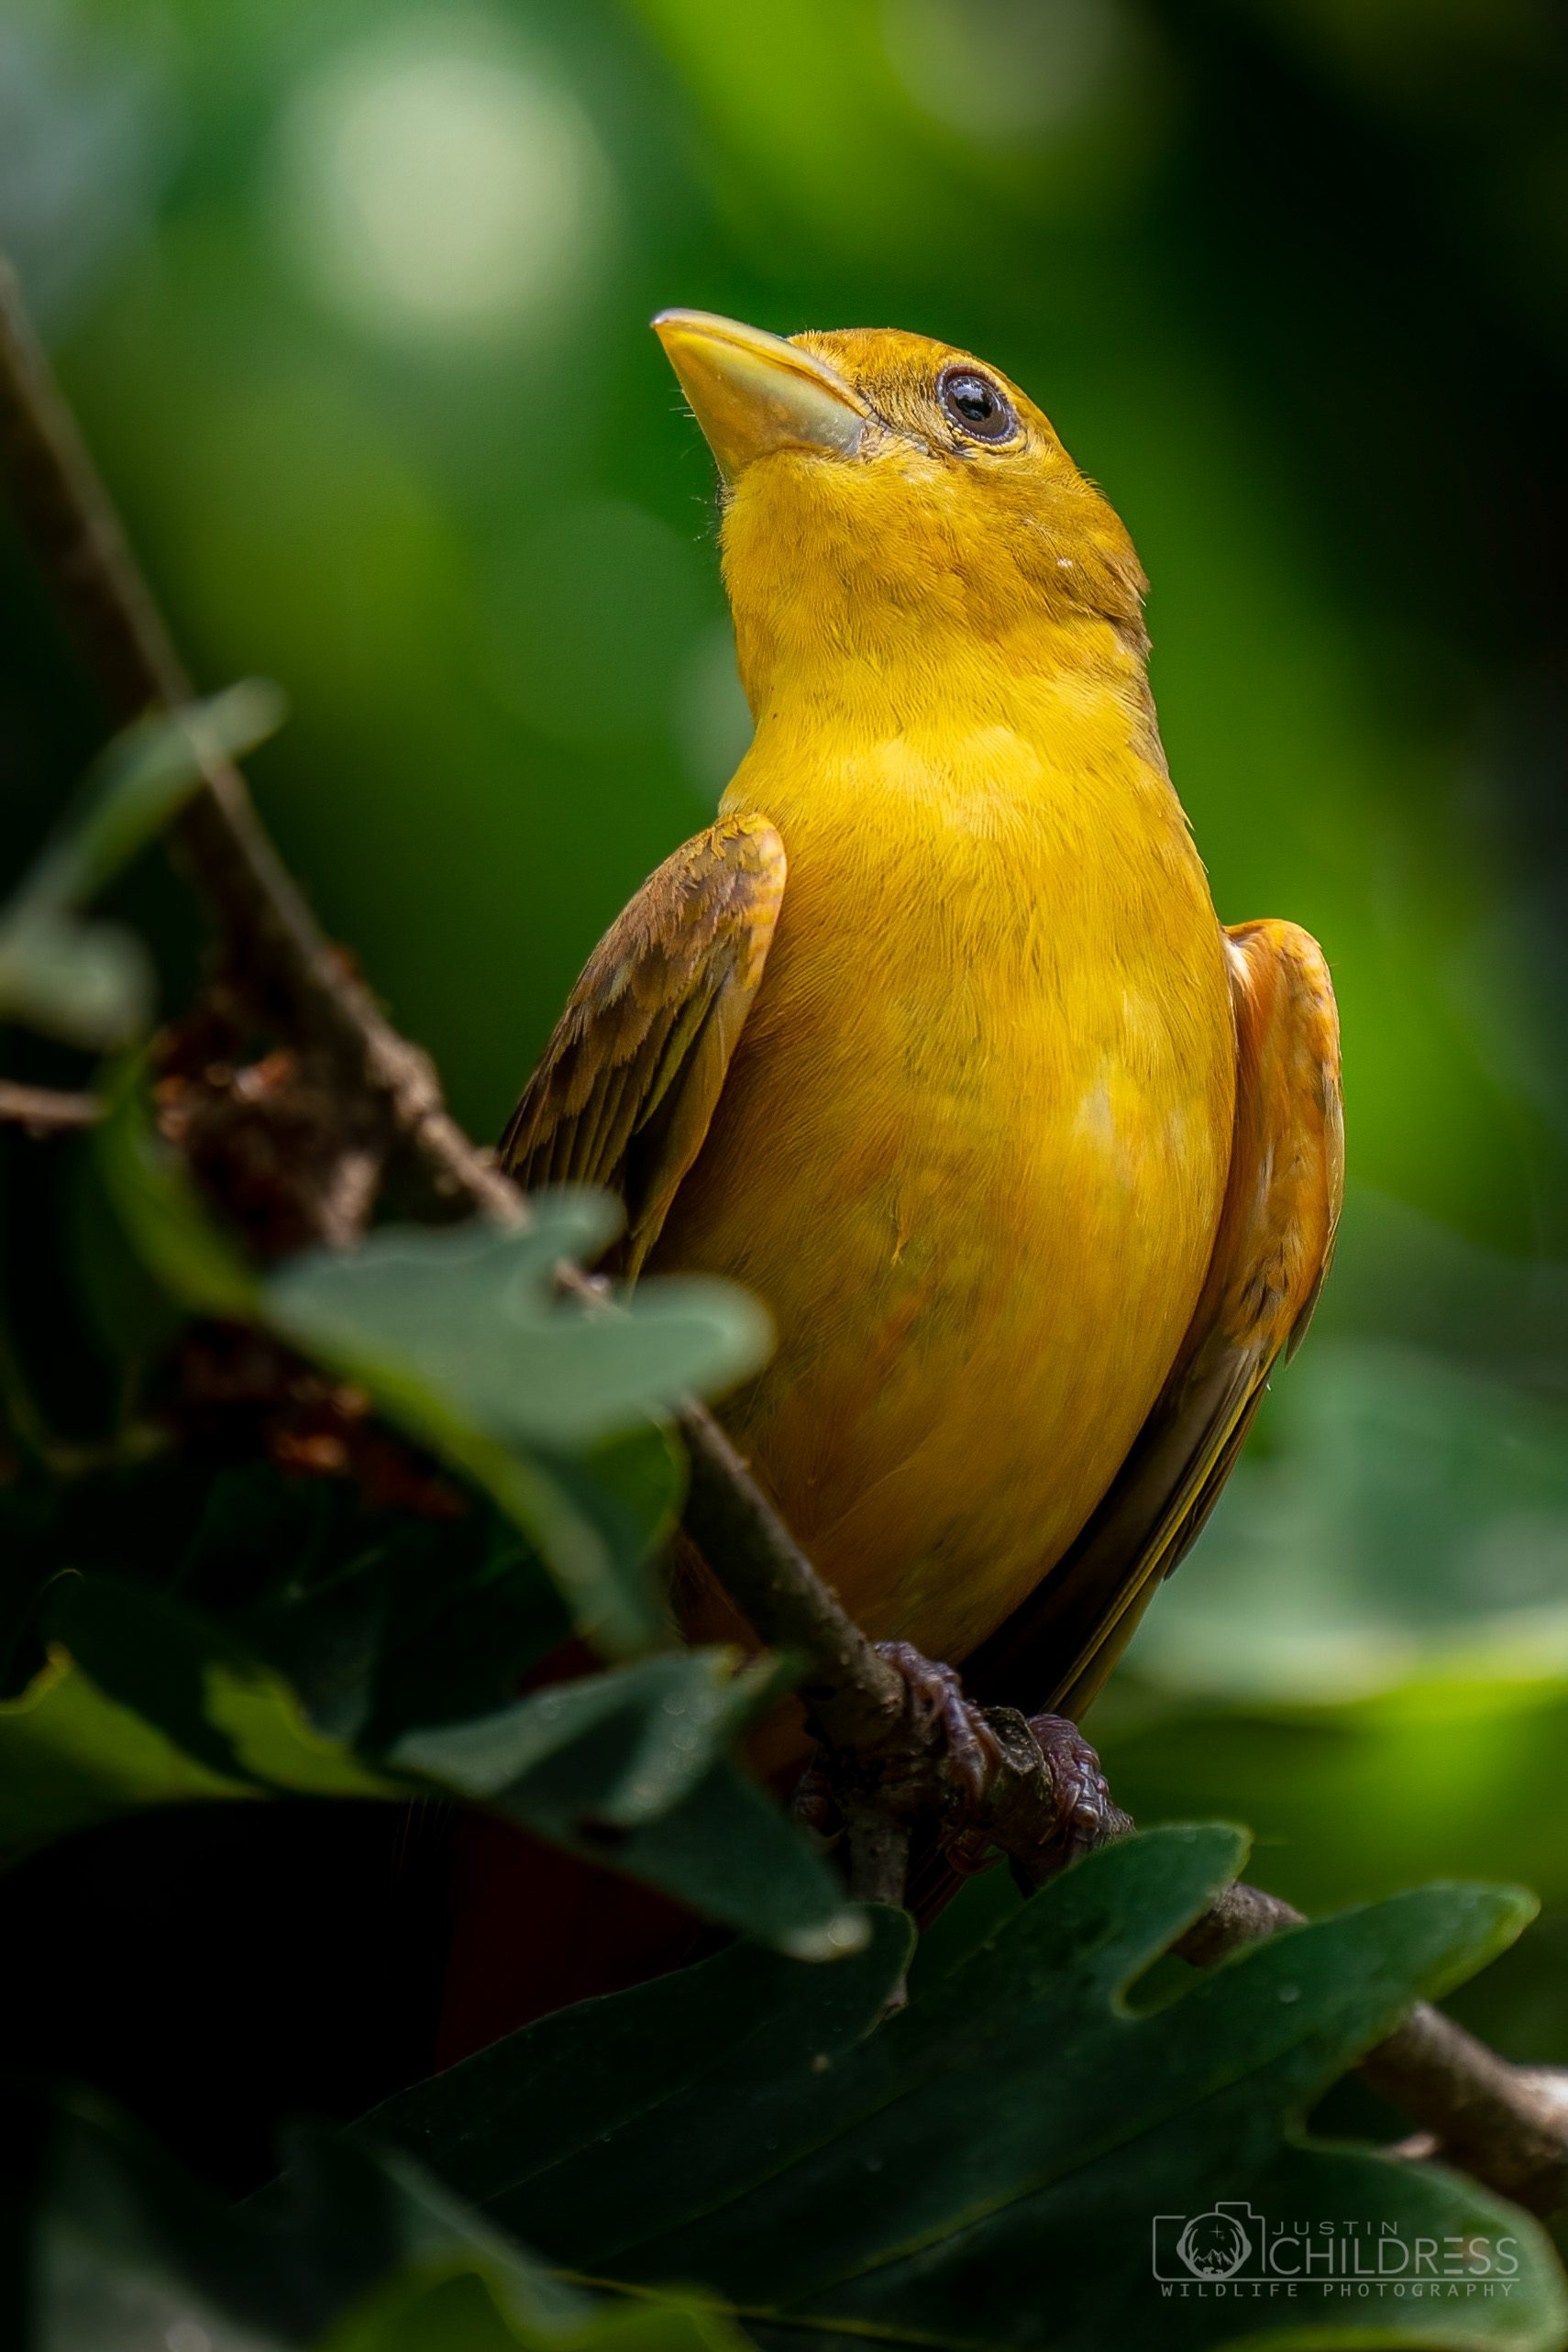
892	505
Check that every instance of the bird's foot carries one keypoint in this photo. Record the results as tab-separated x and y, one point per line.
993	1781
931	1762
1086	1814
948	1730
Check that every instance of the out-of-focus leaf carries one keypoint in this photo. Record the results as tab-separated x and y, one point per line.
162	1212
146	1703
1400	1511
987	2167
90	984
355	2251
630	1768
71	1756
148	1706
1350	1800
668	1716
467	1323
461	1338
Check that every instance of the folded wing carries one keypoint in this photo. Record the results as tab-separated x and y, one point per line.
626	1088
1276	1239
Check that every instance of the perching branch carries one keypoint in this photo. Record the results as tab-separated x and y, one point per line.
905	1747
278	955
1506	2124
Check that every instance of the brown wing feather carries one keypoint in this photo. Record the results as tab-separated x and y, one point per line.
626	1088
1276	1239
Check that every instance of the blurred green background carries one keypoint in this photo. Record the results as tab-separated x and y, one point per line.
352	299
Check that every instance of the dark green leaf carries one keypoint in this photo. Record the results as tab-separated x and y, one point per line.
90	984
144	1702
987	2168
162	1212
167	1713
461	1338
628	1768
356	2251
467	1324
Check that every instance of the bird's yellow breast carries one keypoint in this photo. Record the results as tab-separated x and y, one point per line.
972	1147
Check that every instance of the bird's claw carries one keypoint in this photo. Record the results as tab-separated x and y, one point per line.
1088	1815
941	1716
945	1757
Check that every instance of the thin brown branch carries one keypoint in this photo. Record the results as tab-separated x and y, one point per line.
907	1750
43	1111
853	1695
1505	2124
277	955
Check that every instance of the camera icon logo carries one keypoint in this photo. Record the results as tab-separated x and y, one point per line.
1212	2246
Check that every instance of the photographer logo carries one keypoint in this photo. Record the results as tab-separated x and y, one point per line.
1233	2250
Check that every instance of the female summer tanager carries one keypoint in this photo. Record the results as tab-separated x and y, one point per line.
933	1040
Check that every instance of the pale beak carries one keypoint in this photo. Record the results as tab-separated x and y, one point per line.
753	393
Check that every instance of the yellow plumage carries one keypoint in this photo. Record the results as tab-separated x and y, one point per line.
932	1041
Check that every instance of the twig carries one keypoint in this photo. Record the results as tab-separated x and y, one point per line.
1506	2124
855	1697
44	1111
907	1754
279	957
278	950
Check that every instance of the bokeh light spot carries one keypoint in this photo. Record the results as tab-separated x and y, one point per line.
1007	69
431	182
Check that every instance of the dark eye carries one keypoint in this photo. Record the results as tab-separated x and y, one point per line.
977	406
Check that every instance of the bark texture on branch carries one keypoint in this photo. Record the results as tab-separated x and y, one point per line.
905	1746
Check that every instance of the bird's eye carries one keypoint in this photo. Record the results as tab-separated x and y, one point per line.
979	408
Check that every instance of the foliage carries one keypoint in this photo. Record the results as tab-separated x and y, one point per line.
437	485
92	983
984	2167
201	1637
361	2253
460	1339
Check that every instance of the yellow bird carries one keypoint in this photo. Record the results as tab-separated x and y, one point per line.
933	1040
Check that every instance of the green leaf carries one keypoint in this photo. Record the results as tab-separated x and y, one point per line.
91	984
987	2168
629	1769
144	1702
462	1339
164	1216
1443	1775
151	1706
467	1324
666	1718
357	2251
70	1756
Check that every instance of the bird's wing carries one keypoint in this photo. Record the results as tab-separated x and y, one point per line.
626	1088
1276	1239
